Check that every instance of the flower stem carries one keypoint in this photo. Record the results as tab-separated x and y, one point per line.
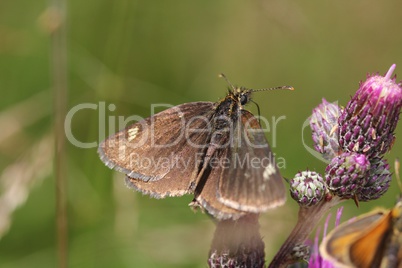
237	244
308	218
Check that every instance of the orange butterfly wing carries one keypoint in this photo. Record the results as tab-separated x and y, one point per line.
336	245
368	249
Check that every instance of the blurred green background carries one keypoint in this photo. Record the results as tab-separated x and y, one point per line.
136	53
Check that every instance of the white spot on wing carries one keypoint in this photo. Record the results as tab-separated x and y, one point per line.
268	171
132	133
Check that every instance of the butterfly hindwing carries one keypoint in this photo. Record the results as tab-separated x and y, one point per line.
206	194
252	181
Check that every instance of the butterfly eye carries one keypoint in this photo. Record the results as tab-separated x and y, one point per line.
243	99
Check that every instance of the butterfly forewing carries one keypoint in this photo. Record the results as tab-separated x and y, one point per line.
168	145
252	181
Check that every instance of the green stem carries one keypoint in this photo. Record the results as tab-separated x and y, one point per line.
307	220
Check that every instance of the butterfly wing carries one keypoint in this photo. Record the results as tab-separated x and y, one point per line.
336	246
252	181
166	146
206	191
367	250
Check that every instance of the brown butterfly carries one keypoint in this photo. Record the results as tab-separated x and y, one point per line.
216	151
371	240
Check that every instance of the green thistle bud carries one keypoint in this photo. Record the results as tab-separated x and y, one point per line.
307	188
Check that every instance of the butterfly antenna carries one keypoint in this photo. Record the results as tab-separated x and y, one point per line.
274	88
221	75
398	178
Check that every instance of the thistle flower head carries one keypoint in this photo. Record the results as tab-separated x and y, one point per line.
378	181
346	174
368	122
324	126
237	243
307	188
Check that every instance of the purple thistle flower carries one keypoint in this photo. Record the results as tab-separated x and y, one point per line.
347	174
307	188
237	243
368	122
316	260
324	126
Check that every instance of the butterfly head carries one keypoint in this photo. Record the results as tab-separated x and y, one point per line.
242	95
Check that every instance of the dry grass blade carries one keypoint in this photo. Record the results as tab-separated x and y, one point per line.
18	178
